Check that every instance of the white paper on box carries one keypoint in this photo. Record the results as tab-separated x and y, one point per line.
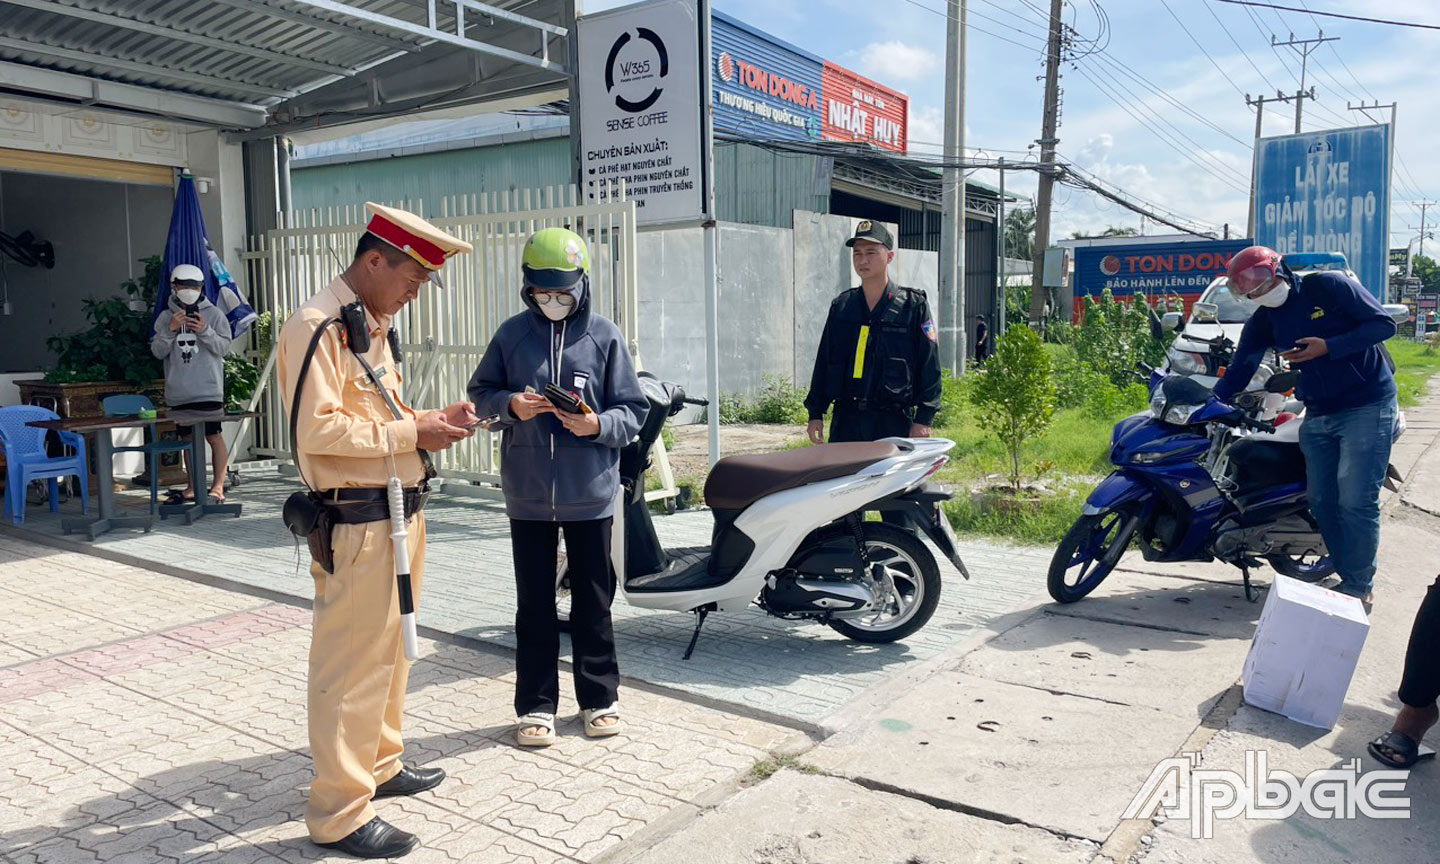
1304	652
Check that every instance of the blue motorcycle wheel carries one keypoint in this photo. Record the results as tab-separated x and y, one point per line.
1080	562
1306	568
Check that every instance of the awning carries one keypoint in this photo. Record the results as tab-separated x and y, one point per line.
267	67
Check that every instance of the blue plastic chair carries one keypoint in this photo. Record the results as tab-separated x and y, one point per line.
130	405
26	460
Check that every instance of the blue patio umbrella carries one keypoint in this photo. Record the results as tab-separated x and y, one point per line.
187	244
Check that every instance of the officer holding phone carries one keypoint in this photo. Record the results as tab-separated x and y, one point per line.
339	372
1331	329
561	380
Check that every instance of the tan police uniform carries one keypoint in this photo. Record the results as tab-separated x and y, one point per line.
345	437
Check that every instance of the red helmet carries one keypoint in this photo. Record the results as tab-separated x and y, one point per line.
1249	269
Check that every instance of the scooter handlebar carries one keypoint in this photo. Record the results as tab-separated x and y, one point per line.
702	403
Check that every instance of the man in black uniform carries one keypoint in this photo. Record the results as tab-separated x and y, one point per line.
878	363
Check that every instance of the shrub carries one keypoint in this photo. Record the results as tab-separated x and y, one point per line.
779	402
1114	336
953	397
1015	394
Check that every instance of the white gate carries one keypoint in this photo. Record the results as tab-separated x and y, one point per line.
444	332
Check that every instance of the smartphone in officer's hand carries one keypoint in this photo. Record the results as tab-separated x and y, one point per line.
483	422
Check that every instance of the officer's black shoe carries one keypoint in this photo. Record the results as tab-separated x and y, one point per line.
409	781
375	839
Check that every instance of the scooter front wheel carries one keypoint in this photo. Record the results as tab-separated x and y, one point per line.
1086	555
912	570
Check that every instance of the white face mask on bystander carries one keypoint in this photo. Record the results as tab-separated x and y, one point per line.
554	309
1276	296
188	296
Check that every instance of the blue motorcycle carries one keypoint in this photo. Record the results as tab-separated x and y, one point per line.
1192	483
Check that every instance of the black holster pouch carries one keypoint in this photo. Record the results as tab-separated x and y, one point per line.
307	516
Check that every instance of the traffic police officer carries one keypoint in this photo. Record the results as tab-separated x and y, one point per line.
348	442
878	363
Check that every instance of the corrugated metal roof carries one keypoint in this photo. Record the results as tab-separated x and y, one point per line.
269	53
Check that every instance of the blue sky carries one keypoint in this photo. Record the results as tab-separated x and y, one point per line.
1203	173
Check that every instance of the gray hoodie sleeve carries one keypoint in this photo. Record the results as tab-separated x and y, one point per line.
489	386
626	405
216	338
163	340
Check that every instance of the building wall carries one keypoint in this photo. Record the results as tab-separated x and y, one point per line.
100	229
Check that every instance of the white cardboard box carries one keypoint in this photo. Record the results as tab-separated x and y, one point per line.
1304	652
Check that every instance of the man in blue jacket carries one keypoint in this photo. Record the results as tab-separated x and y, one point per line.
560	470
1332	330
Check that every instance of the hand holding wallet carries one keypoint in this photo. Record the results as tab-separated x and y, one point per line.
564	400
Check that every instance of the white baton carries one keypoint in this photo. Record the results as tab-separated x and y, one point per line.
399	540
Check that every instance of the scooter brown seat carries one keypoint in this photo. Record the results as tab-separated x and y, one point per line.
736	482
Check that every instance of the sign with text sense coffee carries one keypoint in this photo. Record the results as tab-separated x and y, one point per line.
640	119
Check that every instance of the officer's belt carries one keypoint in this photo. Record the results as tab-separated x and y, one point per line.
869	404
358	506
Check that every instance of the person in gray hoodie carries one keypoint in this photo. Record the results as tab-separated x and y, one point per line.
192	338
560	470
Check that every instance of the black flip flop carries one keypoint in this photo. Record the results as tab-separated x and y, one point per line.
1407	751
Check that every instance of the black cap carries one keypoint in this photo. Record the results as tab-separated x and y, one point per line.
875	232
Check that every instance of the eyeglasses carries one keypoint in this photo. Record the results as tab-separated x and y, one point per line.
564	298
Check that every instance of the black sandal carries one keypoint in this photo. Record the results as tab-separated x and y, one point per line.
1403	752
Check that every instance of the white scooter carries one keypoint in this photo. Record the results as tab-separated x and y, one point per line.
790	534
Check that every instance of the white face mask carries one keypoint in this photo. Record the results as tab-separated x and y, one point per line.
1275	297
188	296
554	311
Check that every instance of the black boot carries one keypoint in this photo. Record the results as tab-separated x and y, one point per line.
409	781
375	839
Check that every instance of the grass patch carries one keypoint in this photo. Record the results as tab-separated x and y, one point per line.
767	768
1413	368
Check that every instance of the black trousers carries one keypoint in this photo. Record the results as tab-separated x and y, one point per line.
537	633
850	424
1420	687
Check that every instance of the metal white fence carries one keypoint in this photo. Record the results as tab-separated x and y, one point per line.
445	332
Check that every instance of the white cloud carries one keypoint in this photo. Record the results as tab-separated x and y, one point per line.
897	61
926	128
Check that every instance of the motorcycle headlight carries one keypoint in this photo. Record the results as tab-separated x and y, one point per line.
1157	404
1147	457
1180	414
1188	362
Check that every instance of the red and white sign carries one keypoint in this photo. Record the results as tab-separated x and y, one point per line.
854	108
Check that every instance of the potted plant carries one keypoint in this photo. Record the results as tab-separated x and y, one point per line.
112	356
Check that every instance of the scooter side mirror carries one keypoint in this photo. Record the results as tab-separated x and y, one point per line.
1171	321
1206	312
1398	312
1282	382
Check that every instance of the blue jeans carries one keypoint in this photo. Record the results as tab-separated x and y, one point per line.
1346	454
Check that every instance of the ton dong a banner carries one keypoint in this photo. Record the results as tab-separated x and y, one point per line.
1155	270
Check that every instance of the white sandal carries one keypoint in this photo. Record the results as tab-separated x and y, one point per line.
532	720
593	730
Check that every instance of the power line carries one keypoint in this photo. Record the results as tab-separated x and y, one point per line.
946	15
1334	15
1158	133
1226	30
1223	76
1164	94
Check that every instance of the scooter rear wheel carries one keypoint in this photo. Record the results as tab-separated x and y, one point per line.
916	577
1080	564
1296	567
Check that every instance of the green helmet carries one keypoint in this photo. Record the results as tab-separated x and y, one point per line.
555	259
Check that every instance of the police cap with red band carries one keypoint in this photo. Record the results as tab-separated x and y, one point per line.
428	245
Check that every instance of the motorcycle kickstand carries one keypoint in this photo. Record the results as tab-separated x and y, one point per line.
1249	589
700	613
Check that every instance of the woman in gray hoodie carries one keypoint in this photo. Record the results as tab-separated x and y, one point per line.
192	338
560	470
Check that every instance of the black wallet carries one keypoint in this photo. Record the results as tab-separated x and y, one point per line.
564	400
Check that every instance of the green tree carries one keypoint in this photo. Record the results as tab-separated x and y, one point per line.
1114	336
1428	272
1020	233
1110	231
1014	394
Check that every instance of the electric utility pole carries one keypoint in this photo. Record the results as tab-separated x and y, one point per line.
1258	103
1303	47
952	212
1054	46
1423	205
